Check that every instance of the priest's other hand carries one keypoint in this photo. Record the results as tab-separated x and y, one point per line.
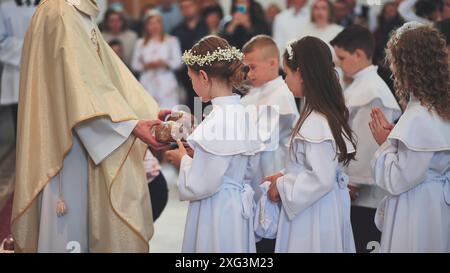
163	113
273	178
379	126
143	131
175	156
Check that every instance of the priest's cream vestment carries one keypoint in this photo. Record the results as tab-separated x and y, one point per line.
78	106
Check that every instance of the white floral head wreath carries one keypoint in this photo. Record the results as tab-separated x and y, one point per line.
405	28
290	50
220	54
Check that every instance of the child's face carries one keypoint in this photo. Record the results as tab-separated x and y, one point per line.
294	81
200	84
213	21
154	26
321	12
261	70
349	62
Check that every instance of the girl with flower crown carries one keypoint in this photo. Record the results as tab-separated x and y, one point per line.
312	189
413	161
216	180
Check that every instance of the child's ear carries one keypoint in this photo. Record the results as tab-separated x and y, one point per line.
300	76
203	76
360	54
273	62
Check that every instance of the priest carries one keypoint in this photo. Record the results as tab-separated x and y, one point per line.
84	126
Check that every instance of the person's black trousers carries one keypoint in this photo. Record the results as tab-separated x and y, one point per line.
159	194
364	229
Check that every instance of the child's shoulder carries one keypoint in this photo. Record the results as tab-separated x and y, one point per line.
227	131
316	129
420	129
366	90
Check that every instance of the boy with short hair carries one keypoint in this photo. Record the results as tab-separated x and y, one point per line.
268	90
354	48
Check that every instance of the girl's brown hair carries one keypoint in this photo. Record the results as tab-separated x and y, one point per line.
322	91
330	10
233	72
150	15
420	64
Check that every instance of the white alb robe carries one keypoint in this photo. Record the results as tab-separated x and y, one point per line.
413	166
99	138
315	214
14	21
216	182
368	90
275	125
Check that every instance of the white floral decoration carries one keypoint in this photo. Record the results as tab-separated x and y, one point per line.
220	54
290	50
406	27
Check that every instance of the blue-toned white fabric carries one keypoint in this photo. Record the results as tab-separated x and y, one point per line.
267	215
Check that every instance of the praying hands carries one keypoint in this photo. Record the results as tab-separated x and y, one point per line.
379	126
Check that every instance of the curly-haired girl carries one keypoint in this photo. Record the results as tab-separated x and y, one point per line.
413	161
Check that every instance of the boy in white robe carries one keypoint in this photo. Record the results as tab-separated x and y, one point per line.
275	103
216	180
269	91
413	162
354	47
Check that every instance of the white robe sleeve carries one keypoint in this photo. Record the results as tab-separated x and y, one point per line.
397	169
267	215
299	191
201	176
10	46
101	136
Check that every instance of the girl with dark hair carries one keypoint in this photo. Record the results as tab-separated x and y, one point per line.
315	215
247	20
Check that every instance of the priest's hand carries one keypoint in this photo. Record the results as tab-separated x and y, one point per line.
379	126
143	131
175	156
163	113
273	178
273	193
